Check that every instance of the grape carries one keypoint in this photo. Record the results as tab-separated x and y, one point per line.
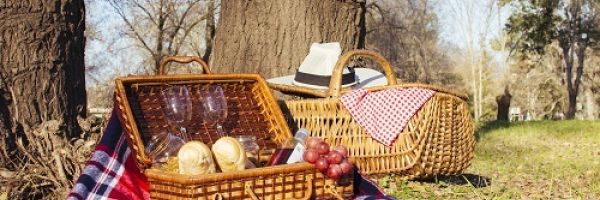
346	166
313	142
323	148
342	150
334	157
321	164
334	171
311	156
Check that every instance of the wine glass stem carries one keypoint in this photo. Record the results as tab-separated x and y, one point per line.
184	134
220	130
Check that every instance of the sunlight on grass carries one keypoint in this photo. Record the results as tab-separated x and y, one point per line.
539	160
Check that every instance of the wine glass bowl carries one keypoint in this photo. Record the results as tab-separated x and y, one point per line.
163	145
177	109
214	103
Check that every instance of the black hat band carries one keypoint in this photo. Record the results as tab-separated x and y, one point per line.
319	80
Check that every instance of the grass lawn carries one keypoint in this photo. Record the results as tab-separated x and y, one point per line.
525	160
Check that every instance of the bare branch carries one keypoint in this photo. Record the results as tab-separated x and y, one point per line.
145	11
179	25
130	26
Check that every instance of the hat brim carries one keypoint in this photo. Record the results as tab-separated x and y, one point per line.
365	78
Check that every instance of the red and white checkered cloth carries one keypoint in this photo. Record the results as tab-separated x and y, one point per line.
383	114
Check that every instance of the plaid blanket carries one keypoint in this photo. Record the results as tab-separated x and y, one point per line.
111	172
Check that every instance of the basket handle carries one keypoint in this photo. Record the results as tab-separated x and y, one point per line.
307	193
182	59
335	86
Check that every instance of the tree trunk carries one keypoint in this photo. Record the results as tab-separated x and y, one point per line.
572	106
503	102
209	30
272	37
41	65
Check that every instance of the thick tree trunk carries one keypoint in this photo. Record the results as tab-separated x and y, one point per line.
272	37
41	64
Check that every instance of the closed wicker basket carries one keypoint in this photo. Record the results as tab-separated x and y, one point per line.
252	110
438	140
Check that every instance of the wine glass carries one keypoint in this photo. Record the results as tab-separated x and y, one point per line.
251	147
163	145
215	107
177	109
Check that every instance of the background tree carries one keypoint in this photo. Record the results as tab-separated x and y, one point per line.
536	87
472	60
168	27
272	37
406	32
591	86
503	102
42	80
572	24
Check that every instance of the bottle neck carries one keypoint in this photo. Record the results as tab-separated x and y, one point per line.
298	138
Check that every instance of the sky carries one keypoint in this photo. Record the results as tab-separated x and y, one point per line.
111	54
457	17
460	20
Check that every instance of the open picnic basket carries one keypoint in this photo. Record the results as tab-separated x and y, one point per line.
252	110
438	140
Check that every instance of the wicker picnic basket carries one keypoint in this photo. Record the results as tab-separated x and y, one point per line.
252	110
438	140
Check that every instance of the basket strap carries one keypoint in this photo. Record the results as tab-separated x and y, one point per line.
182	59
307	194
335	86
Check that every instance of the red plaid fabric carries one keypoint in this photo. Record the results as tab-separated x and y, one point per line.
385	113
111	173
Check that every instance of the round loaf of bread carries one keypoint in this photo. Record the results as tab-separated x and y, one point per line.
195	158
230	154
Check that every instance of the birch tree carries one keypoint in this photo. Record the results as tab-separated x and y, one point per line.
473	55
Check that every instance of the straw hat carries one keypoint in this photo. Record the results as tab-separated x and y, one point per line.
316	70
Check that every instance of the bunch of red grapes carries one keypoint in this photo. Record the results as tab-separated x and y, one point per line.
333	163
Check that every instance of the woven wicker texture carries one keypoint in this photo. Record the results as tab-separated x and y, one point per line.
294	181
252	110
438	140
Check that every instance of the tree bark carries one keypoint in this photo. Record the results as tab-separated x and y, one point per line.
272	37
41	65
209	30
571	92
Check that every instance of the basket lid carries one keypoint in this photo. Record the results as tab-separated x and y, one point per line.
252	109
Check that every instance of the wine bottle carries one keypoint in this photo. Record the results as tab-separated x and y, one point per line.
290	151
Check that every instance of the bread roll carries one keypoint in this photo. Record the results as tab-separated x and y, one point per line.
230	154
195	158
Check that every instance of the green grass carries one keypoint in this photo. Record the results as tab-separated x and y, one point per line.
525	160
